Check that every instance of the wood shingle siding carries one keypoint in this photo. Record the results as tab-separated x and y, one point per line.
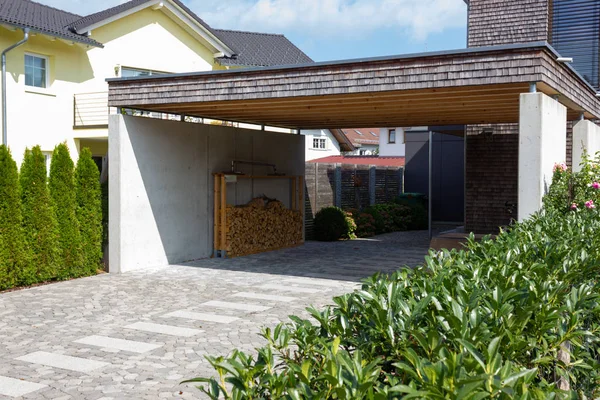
499	22
469	87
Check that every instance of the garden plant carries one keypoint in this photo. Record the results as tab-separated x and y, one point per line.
517	317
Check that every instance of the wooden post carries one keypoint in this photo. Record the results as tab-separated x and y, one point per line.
223	215
216	232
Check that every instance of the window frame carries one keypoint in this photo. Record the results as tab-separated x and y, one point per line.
390	132
46	71
151	72
319	142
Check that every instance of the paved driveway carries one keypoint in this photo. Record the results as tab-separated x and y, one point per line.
137	335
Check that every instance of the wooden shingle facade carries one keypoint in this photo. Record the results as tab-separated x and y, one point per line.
500	22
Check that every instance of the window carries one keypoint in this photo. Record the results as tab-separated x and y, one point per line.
320	144
392	136
127	72
36	71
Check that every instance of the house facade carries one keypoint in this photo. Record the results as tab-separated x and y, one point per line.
392	142
56	81
364	140
325	143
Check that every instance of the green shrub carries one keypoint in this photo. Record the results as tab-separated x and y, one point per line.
390	217
332	223
365	224
89	210
14	255
104	187
418	220
491	321
62	192
572	191
39	219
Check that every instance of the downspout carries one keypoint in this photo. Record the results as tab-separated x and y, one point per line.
4	124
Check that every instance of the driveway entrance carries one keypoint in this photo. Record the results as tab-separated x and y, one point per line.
137	335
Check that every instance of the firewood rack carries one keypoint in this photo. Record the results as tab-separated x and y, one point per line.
220	203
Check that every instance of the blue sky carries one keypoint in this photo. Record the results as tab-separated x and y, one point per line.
331	29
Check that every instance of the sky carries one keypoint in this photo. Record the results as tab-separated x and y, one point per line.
330	29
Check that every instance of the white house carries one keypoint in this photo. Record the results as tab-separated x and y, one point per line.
392	142
365	141
325	142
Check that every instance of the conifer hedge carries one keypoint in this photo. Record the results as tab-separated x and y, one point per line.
13	252
89	210
62	192
39	220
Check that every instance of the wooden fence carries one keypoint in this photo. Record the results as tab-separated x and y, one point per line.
349	186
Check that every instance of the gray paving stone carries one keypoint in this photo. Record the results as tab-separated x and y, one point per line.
164	329
118	344
51	318
62	361
15	387
221	319
235	306
285	288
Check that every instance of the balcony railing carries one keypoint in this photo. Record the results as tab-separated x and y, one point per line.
90	110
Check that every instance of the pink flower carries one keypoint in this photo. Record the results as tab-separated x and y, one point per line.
590	204
560	167
596	185
574	207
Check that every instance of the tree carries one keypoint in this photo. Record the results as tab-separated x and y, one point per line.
62	192
13	252
89	209
39	220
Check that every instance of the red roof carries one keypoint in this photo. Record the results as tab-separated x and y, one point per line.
363	160
368	136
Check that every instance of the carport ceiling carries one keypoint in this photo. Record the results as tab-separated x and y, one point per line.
473	86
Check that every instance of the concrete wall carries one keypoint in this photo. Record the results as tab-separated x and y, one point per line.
387	149
542	144
332	147
161	185
586	139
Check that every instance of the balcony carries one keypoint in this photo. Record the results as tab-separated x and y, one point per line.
90	110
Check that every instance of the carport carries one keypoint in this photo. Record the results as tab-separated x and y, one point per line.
158	168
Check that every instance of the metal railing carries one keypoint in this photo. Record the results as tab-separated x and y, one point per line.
90	110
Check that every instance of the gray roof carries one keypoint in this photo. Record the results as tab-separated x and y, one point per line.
43	19
250	48
260	49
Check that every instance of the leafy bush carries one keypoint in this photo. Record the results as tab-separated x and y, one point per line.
62	192
365	224
494	321
89	210
332	223
14	257
390	217
572	191
418	213
39	219
104	188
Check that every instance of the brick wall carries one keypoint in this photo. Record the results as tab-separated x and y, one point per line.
497	22
492	177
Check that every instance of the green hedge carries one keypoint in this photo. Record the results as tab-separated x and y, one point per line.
43	221
89	210
14	255
39	219
491	321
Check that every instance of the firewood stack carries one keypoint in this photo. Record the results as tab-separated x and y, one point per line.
262	225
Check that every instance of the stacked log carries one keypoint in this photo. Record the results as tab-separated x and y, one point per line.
262	225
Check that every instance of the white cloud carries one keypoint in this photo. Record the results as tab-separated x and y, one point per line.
315	18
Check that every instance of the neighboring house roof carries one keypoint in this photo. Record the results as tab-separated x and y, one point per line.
345	143
260	49
240	48
363	160
43	19
361	137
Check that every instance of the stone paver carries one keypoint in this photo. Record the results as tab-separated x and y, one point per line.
65	322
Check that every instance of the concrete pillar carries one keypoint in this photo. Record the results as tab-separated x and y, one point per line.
586	138
542	143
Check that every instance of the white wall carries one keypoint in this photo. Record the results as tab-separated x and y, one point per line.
542	144
387	149
161	184
332	149
586	139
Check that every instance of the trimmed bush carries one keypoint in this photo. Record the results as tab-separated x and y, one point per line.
14	256
39	219
494	321
332	223
104	188
365	224
89	210
390	217
62	192
418	220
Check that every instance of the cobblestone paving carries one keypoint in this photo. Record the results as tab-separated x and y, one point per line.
137	335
